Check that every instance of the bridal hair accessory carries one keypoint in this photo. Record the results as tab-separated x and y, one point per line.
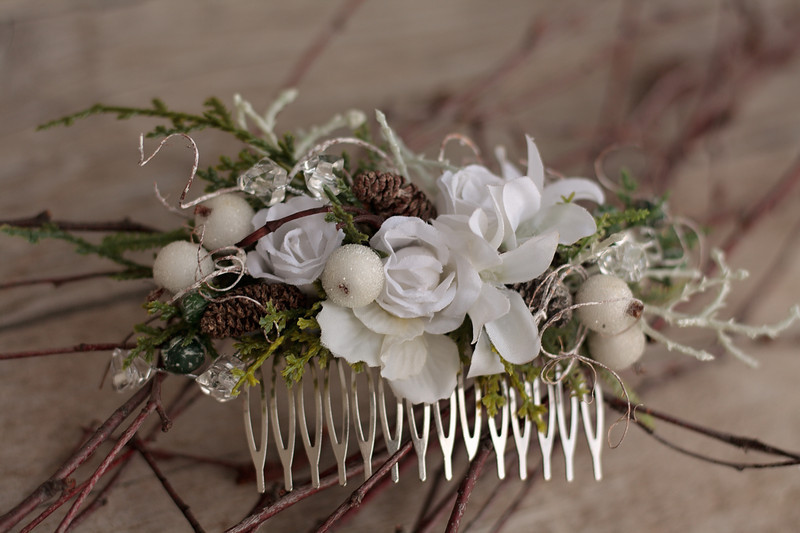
379	296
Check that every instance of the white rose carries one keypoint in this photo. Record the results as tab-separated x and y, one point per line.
296	252
425	278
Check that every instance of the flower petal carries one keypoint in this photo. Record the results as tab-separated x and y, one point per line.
577	188
347	337
507	169
535	165
485	362
572	222
492	303
515	335
379	321
437	379
402	358
529	261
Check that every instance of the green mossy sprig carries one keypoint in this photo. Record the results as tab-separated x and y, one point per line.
113	246
152	338
215	116
296	332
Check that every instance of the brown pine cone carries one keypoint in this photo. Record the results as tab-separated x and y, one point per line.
388	195
238	316
560	300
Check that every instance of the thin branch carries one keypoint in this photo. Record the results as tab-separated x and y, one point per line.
152	405
516	502
183	506
299	494
743	443
59	481
358	495
78	348
468	485
59	280
324	37
774	196
44	218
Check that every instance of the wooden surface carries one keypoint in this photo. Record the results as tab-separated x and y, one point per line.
56	58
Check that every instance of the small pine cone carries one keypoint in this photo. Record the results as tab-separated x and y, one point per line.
560	300
237	316
388	195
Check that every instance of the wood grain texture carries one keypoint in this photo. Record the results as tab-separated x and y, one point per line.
402	57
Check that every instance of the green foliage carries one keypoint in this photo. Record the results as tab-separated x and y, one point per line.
352	235
112	247
215	116
609	220
153	338
296	331
492	397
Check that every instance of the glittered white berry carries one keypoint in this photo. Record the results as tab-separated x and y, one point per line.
227	219
618	309
353	276
619	351
176	266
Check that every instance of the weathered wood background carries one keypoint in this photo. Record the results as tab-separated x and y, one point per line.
434	67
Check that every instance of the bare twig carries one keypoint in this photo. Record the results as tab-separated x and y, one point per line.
743	443
58	280
128	434
60	480
299	494
358	495
312	53
183	506
78	348
44	218
516	502
467	485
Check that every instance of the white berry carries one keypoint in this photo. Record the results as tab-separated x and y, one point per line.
180	264
619	351
613	309
353	276
229	221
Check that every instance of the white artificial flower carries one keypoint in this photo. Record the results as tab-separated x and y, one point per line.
555	206
499	316
425	278
296	252
419	366
509	228
464	191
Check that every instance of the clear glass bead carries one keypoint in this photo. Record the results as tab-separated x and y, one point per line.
626	260
319	173
132	377
265	180
218	381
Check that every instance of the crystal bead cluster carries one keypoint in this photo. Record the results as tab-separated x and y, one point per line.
626	260
220	378
131	377
319	174
265	180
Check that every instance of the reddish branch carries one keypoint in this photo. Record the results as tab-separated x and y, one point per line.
273	225
358	495
183	506
743	443
468	485
78	348
60	280
324	37
60	481
301	493
44	218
